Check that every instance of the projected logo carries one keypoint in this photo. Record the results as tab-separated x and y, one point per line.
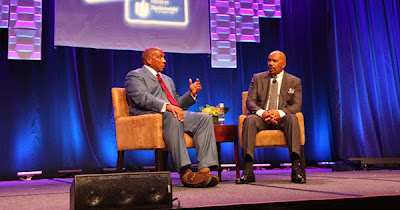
160	12
142	9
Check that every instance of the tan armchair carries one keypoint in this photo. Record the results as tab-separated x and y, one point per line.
273	138
143	132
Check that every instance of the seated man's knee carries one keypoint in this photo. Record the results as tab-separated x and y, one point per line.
170	119
291	118
206	117
251	119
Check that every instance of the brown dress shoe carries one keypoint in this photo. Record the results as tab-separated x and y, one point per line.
214	178
199	179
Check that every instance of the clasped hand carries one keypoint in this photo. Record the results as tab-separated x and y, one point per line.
271	116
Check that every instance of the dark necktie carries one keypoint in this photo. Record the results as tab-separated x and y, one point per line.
273	95
164	87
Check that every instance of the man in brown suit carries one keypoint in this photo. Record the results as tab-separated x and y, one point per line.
273	99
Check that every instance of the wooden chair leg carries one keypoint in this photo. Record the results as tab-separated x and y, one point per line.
120	161
237	159
303	162
161	158
219	160
165	159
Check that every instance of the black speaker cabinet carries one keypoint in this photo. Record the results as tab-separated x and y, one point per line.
147	190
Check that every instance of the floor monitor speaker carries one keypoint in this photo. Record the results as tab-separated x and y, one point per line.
142	190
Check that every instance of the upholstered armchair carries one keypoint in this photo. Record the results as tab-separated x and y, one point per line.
273	138
143	132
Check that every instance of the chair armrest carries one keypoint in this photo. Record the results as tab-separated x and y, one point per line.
300	118
139	132
240	127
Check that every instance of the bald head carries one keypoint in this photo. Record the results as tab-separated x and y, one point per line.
276	62
279	54
154	57
148	53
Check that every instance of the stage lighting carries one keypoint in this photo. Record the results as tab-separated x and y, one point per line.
70	171
261	166
112	170
28	175
326	164
287	165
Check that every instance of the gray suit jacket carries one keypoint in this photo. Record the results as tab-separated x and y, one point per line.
290	96
146	96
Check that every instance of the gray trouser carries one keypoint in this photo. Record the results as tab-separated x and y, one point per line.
200	127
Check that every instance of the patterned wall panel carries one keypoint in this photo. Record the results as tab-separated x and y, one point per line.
4	11
234	21
269	8
223	33
247	25
25	30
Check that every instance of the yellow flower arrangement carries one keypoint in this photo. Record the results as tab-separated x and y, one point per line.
212	110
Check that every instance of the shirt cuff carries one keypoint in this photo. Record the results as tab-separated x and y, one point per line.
281	113
260	112
164	107
194	97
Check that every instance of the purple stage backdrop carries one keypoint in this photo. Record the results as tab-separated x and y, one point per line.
173	25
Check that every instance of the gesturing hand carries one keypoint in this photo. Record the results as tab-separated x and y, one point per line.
176	111
194	87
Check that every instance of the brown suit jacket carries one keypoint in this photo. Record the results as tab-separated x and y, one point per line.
290	96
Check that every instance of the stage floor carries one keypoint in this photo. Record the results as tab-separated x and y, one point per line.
271	186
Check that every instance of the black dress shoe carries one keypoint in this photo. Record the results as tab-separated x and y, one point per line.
297	176
247	176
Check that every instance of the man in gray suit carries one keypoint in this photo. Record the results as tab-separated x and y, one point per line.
273	99
150	91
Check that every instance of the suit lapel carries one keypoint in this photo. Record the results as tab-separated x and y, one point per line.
153	83
283	91
167	82
152	77
265	89
148	74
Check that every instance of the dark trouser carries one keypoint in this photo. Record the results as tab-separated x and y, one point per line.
288	124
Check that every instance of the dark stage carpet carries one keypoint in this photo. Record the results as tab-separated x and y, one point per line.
376	189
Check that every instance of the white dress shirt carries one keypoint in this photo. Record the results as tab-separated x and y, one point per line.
278	78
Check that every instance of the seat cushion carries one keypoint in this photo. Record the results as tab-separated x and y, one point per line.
142	132
272	138
133	133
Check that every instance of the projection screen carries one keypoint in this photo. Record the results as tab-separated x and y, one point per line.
174	25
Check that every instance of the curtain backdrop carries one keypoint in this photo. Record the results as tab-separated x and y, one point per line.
56	114
365	59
